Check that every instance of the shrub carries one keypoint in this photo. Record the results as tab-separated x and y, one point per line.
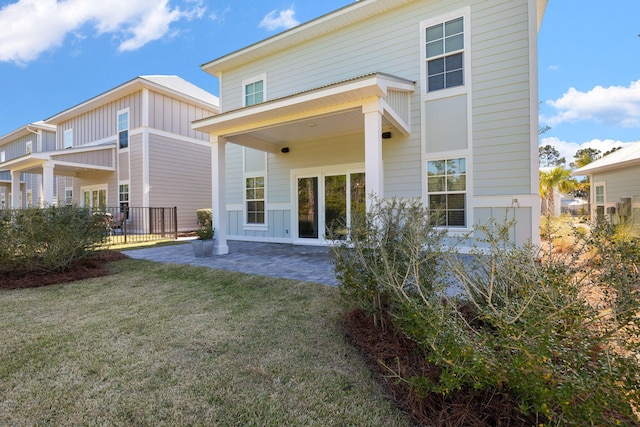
522	325
48	240
542	340
204	217
391	250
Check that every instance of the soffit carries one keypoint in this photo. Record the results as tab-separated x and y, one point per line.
319	113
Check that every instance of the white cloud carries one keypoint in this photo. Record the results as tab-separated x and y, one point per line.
569	149
31	27
613	105
282	20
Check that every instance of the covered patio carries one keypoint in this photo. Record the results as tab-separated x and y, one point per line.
375	105
69	162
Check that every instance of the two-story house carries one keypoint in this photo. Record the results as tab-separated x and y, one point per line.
132	145
32	138
428	99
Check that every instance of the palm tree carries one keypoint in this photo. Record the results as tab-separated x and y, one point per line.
556	178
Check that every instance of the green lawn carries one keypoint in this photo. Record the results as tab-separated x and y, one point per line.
160	344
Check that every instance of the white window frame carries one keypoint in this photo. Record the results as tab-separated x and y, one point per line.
3	156
463	13
121	202
254	225
98	187
67	141
466	191
252	80
595	198
28	148
68	191
119	114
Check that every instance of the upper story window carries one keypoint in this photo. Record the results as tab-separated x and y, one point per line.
3	156
254	91
29	147
68	138
123	129
445	54
447	191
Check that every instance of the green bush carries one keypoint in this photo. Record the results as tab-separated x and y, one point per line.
48	240
393	249
204	217
559	335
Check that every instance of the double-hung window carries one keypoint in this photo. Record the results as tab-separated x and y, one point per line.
123	129
254	196
123	198
445	54
29	147
447	192
599	199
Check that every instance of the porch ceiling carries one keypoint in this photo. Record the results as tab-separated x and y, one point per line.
316	114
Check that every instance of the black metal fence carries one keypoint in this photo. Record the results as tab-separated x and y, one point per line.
129	224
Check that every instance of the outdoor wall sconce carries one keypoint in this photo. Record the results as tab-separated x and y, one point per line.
285	150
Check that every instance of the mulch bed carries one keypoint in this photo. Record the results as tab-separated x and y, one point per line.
391	350
95	266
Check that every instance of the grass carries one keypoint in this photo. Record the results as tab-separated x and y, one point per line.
158	344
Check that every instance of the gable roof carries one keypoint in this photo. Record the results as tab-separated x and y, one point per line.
171	85
25	130
628	156
339	18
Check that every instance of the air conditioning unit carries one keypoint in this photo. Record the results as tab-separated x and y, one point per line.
624	206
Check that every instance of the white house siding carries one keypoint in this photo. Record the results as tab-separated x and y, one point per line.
175	116
101	123
180	175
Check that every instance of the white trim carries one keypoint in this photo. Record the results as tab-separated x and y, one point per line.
534	22
91	188
118	114
468	195
146	186
256	174
260	77
64	138
320	173
465	13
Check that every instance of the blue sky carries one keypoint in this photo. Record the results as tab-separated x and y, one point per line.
55	54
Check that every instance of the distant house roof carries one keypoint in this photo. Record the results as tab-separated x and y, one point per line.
628	156
173	85
25	130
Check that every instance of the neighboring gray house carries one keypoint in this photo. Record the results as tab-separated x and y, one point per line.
428	99
30	139
132	145
615	185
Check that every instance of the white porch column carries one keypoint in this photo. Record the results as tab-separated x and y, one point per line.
374	171
15	190
47	184
219	198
